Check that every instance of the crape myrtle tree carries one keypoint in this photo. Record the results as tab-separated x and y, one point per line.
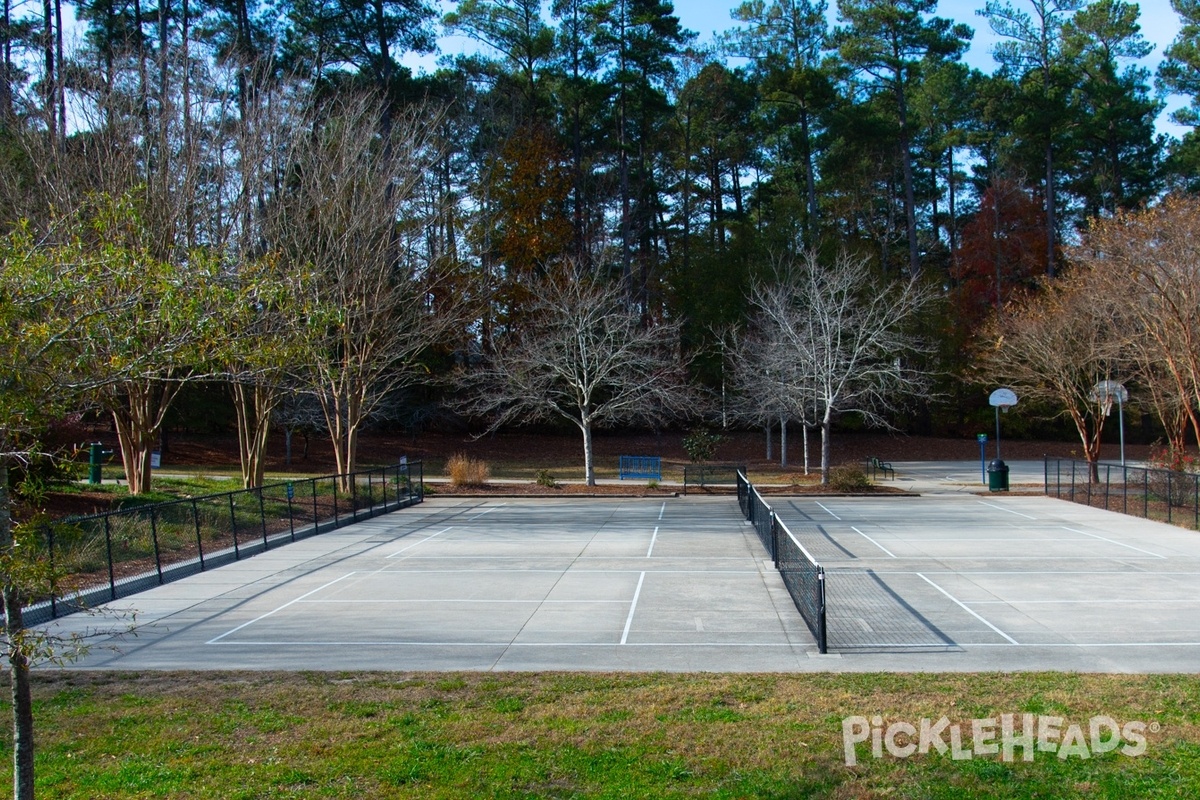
586	355
845	334
352	218
44	350
1143	267
1053	348
154	324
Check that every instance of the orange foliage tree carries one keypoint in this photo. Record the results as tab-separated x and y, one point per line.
531	224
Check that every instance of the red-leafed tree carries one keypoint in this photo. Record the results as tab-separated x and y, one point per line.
1001	252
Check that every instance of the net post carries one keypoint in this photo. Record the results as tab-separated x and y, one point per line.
775	539
822	635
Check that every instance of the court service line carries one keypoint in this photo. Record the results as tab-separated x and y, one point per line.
1005	510
652	540
827	511
632	607
481	513
1112	541
423	541
872	541
963	606
280	608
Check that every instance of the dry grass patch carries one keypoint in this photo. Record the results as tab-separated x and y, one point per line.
466	471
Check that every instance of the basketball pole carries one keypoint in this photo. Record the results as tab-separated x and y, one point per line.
997	433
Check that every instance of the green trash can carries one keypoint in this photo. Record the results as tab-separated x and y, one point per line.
998	476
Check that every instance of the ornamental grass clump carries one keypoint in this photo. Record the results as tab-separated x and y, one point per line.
467	471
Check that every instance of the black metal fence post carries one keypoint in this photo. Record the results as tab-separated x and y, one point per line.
112	575
199	539
157	554
316	517
48	532
291	519
1170	497
262	515
237	553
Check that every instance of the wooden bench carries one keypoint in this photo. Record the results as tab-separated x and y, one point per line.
878	466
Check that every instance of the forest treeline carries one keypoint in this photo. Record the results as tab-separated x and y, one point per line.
601	135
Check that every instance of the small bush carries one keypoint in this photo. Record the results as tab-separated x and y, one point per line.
466	471
701	444
653	484
848	478
544	478
1172	476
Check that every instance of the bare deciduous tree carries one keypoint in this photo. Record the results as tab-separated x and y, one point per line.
1142	270
351	218
838	340
585	356
1053	348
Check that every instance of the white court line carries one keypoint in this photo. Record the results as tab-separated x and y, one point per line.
423	541
872	541
652	540
1111	541
280	608
632	608
1141	602
505	645
481	601
830	513
481	513
662	510
1005	510
969	611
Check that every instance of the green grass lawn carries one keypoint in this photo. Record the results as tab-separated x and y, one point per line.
306	735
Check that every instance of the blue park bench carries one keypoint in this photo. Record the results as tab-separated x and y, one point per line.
645	467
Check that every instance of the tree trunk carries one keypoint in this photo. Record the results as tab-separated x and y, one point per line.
910	202
253	405
804	435
589	471
826	426
783	441
18	662
1050	224
138	418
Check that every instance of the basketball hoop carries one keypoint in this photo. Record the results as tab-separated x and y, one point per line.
1002	400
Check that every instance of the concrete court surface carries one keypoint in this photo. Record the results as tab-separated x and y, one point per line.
940	583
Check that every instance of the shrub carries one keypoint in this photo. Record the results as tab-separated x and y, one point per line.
466	471
652	484
700	445
1172	476
544	478
848	478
